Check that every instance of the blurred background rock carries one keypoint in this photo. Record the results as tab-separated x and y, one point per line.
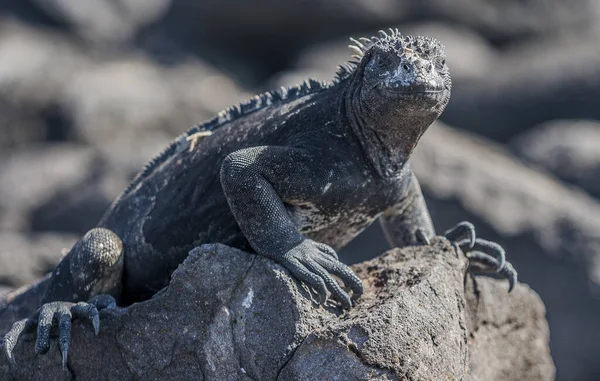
90	90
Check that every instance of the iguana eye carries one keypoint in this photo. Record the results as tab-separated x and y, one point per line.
382	62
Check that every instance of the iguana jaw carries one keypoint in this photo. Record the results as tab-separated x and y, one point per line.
400	86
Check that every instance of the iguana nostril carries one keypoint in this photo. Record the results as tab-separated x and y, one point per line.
406	68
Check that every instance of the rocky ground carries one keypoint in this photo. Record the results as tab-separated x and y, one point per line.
229	315
91	90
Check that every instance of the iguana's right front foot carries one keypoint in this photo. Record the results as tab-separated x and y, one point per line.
92	270
62	313
314	263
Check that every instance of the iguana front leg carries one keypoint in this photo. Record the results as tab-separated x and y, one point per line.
409	223
92	269
256	182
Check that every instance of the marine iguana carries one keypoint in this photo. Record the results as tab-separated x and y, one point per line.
293	174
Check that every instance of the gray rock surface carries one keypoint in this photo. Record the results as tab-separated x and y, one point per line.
551	232
26	258
282	28
228	315
469	55
570	149
35	64
34	180
54	88
103	21
534	81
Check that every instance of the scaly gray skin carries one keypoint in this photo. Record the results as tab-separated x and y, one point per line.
293	175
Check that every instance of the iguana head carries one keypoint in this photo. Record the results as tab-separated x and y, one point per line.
403	69
397	86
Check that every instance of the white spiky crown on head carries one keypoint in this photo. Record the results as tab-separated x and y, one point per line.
426	47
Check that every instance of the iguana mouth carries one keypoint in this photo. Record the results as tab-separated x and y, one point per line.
412	90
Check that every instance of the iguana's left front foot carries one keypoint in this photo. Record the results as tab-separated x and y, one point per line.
61	313
483	255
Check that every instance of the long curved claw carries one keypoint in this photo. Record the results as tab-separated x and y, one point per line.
484	261
63	313
461	231
42	343
12	337
488	262
314	264
64	317
327	250
103	301
300	272
509	273
491	249
345	273
486	255
422	237
333	286
87	311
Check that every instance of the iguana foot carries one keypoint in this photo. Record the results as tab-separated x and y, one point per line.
483	255
460	231
314	263
62	313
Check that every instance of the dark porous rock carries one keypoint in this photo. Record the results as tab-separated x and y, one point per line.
27	257
32	178
34	67
551	232
102	21
470	57
510	20
155	103
54	88
272	31
502	324
570	149
61	187
532	82
229	315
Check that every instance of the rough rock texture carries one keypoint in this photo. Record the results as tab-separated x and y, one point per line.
26	258
551	232
53	88
557	77
102	20
229	315
567	148
35	64
469	56
283	27
500	323
35	182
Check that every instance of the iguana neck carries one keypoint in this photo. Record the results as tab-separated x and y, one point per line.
387	134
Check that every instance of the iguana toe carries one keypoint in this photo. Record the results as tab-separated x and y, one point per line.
345	273
44	326
62	313
482	250
88	311
327	250
300	272
103	301
314	264
12	337
488	263
461	231
509	273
